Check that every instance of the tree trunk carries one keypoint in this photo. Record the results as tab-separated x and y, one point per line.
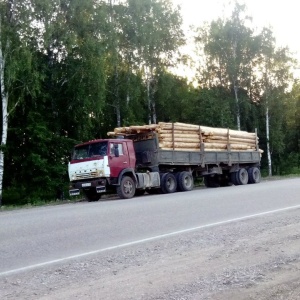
238	113
4	99
236	88
268	141
128	88
117	99
153	110
150	95
148	100
115	62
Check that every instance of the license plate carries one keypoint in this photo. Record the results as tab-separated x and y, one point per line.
74	192
86	184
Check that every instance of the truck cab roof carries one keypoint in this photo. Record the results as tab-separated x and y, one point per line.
102	140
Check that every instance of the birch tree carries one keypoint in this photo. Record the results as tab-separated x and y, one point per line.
4	99
14	22
156	36
228	47
275	72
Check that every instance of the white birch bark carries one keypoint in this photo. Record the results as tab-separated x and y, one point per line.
115	62
148	100
4	100
238	113
154	112
236	88
268	141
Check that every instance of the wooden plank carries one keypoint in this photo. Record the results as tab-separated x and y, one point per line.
191	136
176	131
179	145
230	142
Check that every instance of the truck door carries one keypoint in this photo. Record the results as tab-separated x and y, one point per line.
118	163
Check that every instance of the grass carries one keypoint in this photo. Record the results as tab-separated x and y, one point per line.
39	203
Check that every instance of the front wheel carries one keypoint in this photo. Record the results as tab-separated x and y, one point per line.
126	190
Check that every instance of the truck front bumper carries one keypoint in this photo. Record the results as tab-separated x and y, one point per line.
98	185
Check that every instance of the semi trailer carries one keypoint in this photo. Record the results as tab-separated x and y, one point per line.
137	164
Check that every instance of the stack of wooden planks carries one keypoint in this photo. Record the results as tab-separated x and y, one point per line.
189	137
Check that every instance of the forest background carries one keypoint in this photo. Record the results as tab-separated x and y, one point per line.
72	70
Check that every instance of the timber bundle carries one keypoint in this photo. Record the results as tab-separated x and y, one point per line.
189	137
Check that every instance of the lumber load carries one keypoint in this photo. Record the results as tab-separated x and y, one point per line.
190	137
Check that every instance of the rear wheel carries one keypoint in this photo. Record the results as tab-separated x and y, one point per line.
126	189
233	178
168	183
242	176
254	175
185	181
91	195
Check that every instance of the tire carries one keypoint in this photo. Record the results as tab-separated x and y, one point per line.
91	195
254	175
242	176
233	178
126	189
168	183
185	181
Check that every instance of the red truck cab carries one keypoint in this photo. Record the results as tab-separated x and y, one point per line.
97	164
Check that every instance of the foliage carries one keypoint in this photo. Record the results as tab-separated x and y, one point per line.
230	49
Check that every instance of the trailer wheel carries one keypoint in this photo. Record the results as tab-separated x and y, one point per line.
254	175
242	176
185	181
126	189
91	195
168	183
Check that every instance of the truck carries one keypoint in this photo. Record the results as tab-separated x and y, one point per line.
135	164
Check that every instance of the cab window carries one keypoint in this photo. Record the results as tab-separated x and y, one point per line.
119	146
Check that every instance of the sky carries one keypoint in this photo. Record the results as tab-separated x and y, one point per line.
282	16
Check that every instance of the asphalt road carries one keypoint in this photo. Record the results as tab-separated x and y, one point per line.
38	237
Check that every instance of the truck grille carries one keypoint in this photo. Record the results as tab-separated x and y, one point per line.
87	175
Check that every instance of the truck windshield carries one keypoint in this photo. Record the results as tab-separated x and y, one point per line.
90	150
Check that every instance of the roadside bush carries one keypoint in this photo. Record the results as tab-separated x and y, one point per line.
14	196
